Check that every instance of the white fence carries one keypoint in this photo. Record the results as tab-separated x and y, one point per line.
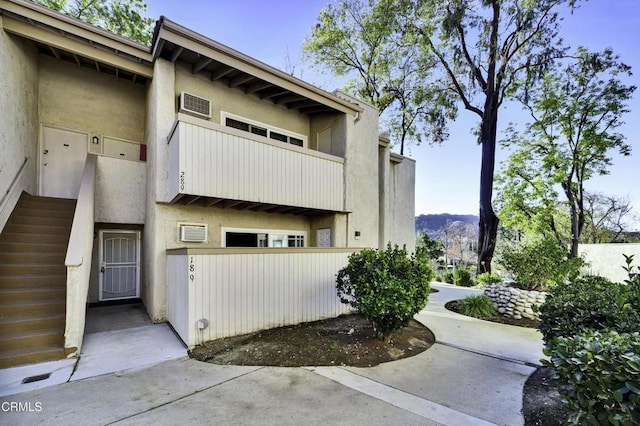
210	160
606	260
238	291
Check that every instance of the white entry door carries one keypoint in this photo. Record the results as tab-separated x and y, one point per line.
62	162
119	265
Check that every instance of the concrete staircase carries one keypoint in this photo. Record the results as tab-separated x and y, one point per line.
33	278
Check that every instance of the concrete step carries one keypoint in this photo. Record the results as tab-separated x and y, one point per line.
43	219
31	308
30	269
31	356
41	230
53	257
17	247
32	339
22	281
43	212
12	237
10	295
25	324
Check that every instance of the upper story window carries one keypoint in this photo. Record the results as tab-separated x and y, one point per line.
233	237
262	129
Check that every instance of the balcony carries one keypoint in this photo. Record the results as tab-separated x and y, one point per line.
211	164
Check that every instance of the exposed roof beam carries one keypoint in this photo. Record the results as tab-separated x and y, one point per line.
221	72
55	52
230	203
289	98
214	201
241	79
278	92
97	66
192	200
77	60
301	104
319	108
176	53
256	87
198	66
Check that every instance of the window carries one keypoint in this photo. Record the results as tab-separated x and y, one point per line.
265	130
262	238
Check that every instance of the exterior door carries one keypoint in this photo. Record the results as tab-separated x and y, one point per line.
119	265
62	162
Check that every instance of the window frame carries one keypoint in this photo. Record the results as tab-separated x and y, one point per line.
287	233
252	123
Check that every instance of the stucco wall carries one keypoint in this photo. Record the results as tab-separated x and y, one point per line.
606	260
18	110
82	99
235	101
401	219
120	191
361	176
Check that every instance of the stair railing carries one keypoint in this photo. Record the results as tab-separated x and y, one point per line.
11	195
78	259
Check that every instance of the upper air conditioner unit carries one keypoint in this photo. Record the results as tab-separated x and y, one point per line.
195	105
193	233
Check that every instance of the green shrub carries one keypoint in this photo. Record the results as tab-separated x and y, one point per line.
598	376
537	264
477	306
438	278
593	303
447	277
462	277
488	278
387	287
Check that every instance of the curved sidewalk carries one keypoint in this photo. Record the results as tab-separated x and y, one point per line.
473	375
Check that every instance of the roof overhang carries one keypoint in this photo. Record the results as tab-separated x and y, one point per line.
174	42
70	39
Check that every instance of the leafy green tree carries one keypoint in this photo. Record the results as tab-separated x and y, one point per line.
575	116
123	17
366	41
473	53
428	247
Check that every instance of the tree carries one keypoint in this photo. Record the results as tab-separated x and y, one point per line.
605	217
459	242
428	247
575	114
366	41
122	17
485	52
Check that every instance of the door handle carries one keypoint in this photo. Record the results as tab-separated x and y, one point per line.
46	151
102	269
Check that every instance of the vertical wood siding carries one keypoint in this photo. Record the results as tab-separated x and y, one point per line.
215	161
239	293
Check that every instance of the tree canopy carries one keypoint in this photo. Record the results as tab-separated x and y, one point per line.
575	111
471	53
122	17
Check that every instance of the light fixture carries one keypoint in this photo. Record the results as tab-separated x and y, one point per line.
357	235
95	140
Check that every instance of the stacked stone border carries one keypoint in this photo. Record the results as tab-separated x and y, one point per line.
514	302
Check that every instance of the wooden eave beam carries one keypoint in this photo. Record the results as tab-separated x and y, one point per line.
278	92
61	42
177	51
241	79
289	98
256	87
198	66
218	74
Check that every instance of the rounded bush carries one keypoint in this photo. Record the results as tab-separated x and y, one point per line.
462	277
477	306
387	287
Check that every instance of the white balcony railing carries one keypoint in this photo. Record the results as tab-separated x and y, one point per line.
210	160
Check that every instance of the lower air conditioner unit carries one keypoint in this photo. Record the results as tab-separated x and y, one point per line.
196	233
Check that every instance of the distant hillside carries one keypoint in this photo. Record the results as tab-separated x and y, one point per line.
432	223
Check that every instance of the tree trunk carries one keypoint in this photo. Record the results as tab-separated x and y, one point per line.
488	220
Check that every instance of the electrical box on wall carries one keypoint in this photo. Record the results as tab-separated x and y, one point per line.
193	233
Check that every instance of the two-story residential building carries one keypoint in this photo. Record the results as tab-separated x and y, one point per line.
222	192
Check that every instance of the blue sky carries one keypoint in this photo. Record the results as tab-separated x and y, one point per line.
447	175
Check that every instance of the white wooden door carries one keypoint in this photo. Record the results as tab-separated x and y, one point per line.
62	162
119	265
323	237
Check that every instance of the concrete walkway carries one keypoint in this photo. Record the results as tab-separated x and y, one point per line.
473	375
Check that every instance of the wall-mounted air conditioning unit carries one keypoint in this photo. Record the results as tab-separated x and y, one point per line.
193	233
195	105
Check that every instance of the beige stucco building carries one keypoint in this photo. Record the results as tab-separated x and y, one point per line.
222	192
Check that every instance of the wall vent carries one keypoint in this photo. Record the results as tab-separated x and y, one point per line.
193	233
195	105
